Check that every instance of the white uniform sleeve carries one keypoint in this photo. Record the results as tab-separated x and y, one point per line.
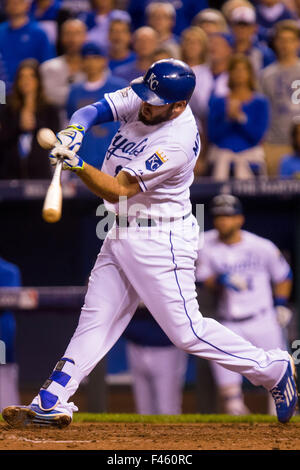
204	266
123	103
277	265
157	165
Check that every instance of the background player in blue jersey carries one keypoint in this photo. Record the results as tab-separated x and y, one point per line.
9	393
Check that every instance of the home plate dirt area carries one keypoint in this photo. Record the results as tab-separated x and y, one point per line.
147	435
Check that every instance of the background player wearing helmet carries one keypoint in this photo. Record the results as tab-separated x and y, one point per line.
150	255
243	268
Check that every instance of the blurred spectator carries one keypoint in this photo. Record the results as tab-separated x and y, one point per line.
157	367
161	17
231	4
99	81
74	8
243	26
268	13
9	382
21	38
297	10
27	111
237	124
161	54
98	21
211	77
211	21
220	49
185	12
290	164
194	43
119	43
46	12
194	46
216	3
277	84
60	73
145	42
2	11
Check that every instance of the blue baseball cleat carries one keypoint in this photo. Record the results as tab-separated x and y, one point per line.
33	415
285	394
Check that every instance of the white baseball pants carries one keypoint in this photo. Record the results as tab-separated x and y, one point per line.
9	385
158	374
159	271
253	330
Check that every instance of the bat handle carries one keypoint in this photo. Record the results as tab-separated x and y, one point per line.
57	171
53	201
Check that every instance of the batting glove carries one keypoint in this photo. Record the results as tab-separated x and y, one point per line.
71	160
232	281
69	138
283	313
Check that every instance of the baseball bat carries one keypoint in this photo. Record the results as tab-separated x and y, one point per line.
52	207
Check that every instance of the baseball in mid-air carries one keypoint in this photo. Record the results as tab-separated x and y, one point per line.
46	138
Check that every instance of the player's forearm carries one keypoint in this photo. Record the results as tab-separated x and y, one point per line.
105	186
282	290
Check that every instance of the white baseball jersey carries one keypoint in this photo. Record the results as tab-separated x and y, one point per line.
255	259
159	271
150	153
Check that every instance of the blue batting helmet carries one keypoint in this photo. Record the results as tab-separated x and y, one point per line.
166	81
225	204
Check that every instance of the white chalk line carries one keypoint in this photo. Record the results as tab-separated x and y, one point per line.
45	440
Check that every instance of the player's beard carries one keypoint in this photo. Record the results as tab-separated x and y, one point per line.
157	119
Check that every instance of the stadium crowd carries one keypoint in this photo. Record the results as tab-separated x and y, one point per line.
59	55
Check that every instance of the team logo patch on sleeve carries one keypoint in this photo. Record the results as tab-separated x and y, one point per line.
155	161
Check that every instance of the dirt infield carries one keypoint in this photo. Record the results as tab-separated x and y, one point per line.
147	436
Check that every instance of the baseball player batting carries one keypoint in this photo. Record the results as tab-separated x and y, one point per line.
150	162
244	270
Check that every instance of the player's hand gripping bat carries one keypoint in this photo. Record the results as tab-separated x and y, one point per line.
53	201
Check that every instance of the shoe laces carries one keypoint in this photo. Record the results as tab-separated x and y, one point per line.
278	396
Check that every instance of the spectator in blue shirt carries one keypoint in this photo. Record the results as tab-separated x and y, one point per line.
46	13
161	17
119	35
244	29
290	164
99	81
98	21
268	13
21	38
145	42
211	21
185	12
237	124
9	393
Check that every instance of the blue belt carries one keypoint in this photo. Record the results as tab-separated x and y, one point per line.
122	220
